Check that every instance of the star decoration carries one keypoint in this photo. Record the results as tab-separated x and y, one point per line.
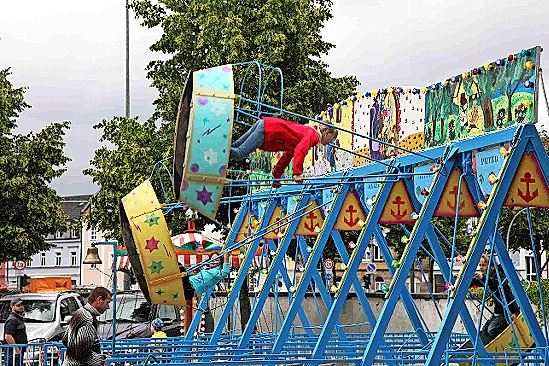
210	156
225	136
160	292
152	219
152	244
156	267
175	295
204	196
205	120
198	141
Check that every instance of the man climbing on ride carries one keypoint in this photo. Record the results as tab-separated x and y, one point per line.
276	134
501	294
198	284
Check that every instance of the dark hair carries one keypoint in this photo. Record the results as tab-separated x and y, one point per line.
99	291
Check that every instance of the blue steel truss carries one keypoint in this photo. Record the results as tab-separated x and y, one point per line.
331	342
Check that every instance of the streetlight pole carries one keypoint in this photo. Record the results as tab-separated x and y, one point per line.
127	60
511	224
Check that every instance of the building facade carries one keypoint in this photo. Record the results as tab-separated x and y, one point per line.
64	258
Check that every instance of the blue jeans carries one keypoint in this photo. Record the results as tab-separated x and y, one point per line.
493	327
253	139
9	359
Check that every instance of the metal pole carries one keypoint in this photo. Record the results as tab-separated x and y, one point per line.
510	225
127	61
114	287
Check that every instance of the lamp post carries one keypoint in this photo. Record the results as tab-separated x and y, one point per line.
511	224
92	257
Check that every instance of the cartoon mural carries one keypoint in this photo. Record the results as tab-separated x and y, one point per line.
484	99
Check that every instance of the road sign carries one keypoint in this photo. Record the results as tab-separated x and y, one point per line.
329	276
371	268
328	264
20	265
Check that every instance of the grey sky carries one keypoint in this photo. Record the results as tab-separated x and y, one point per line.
72	55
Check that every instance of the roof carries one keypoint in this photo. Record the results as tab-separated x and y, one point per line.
73	206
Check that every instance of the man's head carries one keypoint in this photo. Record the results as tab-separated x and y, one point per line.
100	298
17	306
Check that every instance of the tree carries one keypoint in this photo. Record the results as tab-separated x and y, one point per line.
31	210
201	34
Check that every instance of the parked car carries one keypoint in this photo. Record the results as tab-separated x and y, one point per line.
134	315
47	316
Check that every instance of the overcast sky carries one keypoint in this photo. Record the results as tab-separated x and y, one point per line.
71	55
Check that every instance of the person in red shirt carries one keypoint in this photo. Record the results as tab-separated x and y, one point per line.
276	134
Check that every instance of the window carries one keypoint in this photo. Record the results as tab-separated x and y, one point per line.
530	268
93	234
57	259
166	312
74	258
29	263
376	252
73	305
42	259
75	233
417	285
64	309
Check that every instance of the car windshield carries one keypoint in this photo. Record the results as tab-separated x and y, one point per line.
130	309
36	311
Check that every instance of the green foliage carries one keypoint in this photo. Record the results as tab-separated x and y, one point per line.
29	162
197	35
532	290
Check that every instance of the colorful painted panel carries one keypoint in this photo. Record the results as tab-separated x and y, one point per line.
487	165
487	98
361	125
154	245
412	114
210	128
398	208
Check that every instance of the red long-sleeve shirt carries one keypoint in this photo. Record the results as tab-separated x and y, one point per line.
292	138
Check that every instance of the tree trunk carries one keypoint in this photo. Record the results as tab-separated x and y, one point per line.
432	274
509	113
488	113
245	306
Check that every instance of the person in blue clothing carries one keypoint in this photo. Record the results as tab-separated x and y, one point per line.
199	283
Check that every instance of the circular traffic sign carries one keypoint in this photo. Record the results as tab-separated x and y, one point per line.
371	268
328	276
328	264
20	265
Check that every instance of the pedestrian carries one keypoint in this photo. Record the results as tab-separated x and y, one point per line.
501	295
276	134
81	339
15	332
198	284
156	328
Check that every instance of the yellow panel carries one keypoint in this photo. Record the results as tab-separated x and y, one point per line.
154	245
506	340
528	188
249	225
448	201
275	221
346	139
310	221
350	214
358	160
398	207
